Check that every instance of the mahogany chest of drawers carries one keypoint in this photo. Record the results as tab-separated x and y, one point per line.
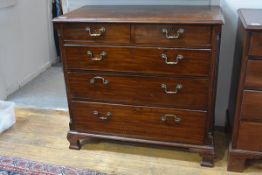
142	73
246	94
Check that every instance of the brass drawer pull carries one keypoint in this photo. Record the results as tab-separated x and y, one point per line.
168	117
93	80
176	36
106	117
178	58
102	55
178	88
101	31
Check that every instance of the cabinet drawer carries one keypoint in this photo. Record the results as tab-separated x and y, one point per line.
254	75
161	124
97	33
173	35
252	106
250	136
256	44
139	60
138	90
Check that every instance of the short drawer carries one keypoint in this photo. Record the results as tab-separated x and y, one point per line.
250	136
139	90
139	60
256	44
150	123
97	33
251	109
185	36
254	75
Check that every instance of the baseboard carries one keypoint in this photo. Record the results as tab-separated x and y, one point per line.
55	61
16	86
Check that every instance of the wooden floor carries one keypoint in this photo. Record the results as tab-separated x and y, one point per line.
40	135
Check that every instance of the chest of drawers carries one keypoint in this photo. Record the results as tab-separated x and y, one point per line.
142	73
246	94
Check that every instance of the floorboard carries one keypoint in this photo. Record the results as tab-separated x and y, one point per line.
40	135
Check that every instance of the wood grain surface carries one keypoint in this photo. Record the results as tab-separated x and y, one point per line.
140	90
139	122
146	14
139	60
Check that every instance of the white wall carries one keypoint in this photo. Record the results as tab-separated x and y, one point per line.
7	3
26	46
230	8
73	4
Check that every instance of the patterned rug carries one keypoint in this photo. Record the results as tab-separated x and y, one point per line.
18	166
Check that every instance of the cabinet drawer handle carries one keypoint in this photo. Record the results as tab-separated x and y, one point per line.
104	81
179	32
106	117
102	55
101	31
178	88
178	58
168	117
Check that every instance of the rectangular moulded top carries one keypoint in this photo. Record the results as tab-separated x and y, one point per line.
145	14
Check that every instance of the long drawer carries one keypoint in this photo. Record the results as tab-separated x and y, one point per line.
161	124
140	90
255	48
139	60
185	36
250	136
98	33
251	109
254	74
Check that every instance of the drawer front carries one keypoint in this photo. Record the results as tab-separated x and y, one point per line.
161	124
251	109
250	136
254	75
97	33
256	44
173	35
139	60
184	93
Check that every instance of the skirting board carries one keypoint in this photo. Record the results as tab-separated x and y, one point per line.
16	86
